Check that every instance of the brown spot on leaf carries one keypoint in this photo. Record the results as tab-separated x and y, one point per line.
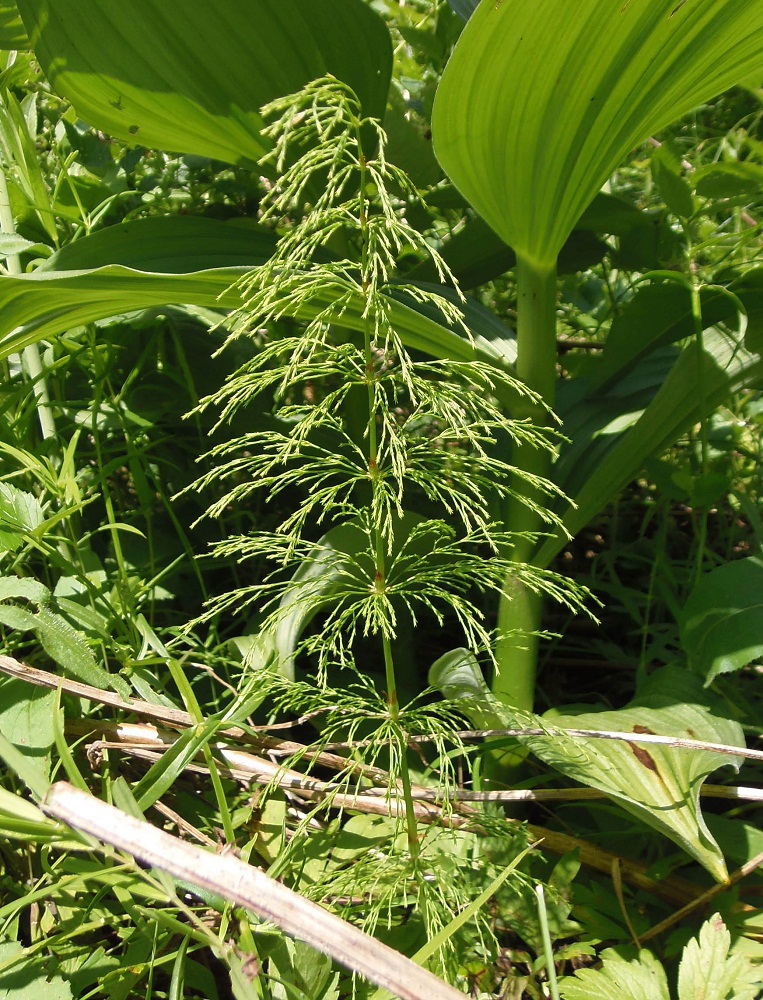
643	729
644	757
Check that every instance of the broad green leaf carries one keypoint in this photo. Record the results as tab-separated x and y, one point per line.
733	180
541	101
26	719
658	784
48	304
57	637
313	587
708	972
722	621
658	314
192	77
170	244
12	33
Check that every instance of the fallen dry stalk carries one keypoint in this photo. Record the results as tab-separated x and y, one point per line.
246	886
675	890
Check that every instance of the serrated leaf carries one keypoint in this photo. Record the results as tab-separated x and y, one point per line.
618	979
722	621
708	972
540	102
20	513
191	78
660	785
57	637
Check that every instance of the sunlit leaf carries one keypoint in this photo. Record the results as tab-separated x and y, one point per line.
24	976
20	513
541	101
195	261
708	972
642	978
192	77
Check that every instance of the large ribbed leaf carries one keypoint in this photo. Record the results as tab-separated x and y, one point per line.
190	76
659	784
542	100
185	260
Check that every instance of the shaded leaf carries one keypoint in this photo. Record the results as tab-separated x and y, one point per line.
658	314
191	78
736	179
172	244
620	438
674	189
541	101
722	621
464	8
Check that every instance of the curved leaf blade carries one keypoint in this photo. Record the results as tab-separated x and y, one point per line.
541	101
618	441
192	77
196	261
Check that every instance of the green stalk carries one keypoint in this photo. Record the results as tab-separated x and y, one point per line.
31	355
393	705
519	611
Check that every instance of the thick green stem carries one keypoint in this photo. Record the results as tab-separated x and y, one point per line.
519	612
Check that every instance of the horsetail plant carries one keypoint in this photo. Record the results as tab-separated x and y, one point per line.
393	455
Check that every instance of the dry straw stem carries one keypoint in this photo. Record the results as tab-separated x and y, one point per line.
179	719
246	886
675	890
